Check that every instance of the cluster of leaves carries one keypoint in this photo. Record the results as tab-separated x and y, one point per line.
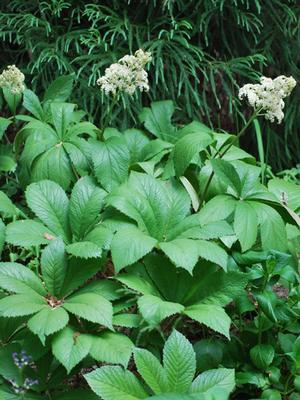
200	49
150	253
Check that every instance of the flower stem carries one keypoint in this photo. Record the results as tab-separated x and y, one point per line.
109	114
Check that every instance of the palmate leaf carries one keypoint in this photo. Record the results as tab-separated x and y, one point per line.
210	315
272	228
179	362
245	224
111	160
19	279
92	307
36	233
111	383
53	164
129	245
70	347
50	203
154	309
85	205
111	347
18	305
187	147
135	141
54	266
77	276
210	381
157	120
151	371
227	173
84	250
32	104
6	206
62	115
156	206
48	321
182	252
60	89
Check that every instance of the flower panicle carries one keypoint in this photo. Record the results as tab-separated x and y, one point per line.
268	95
13	80
127	75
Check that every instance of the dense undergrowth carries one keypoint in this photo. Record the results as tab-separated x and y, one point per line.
202	50
160	261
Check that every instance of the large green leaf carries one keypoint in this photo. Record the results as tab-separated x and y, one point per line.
218	208
210	315
136	141
182	252
227	174
70	347
157	120
62	115
19	279
179	362
111	383
6	206
18	305
77	276
54	266
50	203
154	310
215	287
32	104
84	250
151	371
272	228
156	206
262	356
212	252
85	205
129	245
36	233
47	321
91	307
287	191
60	89
245	224
187	148
209	381
112	348
101	236
111	161
53	164
4	124
137	283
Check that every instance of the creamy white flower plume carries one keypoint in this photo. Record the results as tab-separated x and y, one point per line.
127	74
269	95
13	80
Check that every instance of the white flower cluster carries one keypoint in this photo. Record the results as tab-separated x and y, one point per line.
127	74
13	80
268	95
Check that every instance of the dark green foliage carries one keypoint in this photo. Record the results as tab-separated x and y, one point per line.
202	50
162	250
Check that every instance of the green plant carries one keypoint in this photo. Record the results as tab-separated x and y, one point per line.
146	232
175	379
75	221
